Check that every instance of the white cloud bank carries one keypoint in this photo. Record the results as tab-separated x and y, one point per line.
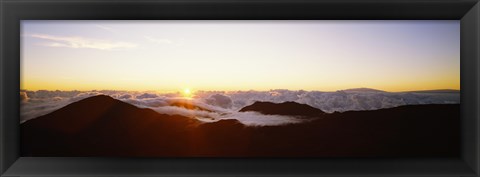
225	105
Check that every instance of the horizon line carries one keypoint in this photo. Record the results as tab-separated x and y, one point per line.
193	90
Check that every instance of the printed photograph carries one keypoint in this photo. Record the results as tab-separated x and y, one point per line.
249	88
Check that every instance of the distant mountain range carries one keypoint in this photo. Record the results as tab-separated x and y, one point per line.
103	126
437	91
363	90
417	91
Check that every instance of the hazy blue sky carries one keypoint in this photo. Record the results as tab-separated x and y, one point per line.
240	55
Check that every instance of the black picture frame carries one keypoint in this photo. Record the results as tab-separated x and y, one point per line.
12	11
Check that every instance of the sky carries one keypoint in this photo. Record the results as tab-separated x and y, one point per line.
169	56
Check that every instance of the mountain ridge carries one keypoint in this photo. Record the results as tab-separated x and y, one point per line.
362	89
111	128
285	108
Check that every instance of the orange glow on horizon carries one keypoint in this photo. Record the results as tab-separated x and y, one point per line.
187	93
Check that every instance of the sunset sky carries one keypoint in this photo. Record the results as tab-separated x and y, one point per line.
170	56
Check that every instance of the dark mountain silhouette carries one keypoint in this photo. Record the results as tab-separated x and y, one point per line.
103	126
285	108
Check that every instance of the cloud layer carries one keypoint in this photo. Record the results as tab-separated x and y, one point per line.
225	105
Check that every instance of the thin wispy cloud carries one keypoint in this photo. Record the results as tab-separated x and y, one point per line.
106	28
77	42
158	40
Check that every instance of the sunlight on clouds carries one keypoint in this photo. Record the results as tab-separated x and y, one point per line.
187	93
81	42
213	106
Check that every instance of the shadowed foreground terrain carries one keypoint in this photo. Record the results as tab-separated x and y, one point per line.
286	108
103	126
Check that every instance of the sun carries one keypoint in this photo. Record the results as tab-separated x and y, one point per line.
187	93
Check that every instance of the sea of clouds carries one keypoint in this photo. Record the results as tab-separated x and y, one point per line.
225	104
